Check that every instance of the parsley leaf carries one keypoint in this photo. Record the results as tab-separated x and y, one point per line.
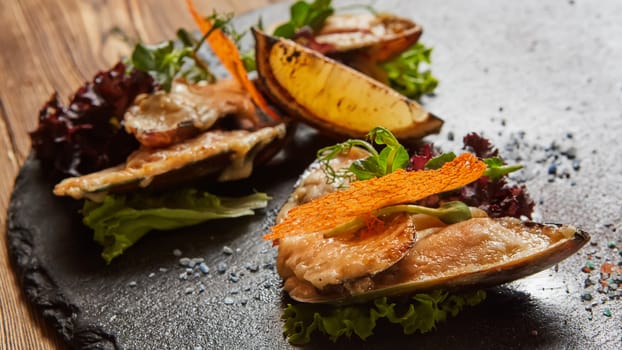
406	74
304	14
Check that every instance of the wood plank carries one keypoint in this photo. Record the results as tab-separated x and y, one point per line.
49	46
20	91
21	327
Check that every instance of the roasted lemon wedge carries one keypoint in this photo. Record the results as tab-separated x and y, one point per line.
333	97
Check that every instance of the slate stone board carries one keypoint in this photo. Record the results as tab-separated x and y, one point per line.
542	79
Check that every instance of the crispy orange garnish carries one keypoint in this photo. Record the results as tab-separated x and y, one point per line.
363	197
373	225
227	52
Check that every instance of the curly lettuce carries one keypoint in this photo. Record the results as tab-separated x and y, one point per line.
421	314
119	221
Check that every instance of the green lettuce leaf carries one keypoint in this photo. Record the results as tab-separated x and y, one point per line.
420	315
120	221
407	73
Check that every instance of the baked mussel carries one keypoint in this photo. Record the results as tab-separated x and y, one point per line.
404	251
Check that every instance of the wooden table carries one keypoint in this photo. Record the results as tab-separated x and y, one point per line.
57	45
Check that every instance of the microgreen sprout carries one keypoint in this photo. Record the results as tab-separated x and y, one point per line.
170	60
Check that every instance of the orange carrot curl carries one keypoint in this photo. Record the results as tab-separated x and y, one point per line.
227	52
366	196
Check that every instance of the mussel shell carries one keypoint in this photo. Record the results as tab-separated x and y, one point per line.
335	260
381	36
165	118
484	276
219	154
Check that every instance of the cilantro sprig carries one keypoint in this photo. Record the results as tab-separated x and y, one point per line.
304	14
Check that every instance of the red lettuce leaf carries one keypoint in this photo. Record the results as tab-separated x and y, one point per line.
495	196
479	146
88	134
420	158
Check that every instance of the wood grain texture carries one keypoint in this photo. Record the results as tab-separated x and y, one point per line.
57	45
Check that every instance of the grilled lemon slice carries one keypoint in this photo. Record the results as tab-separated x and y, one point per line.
333	97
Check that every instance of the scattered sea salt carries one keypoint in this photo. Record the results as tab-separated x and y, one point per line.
221	267
204	268
227	250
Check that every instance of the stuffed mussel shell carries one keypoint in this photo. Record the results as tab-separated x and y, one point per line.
475	253
382	36
229	155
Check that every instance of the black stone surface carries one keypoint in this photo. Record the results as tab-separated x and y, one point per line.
542	79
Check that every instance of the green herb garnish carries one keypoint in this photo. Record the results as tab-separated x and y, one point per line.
407	75
248	59
497	169
304	14
168	60
120	221
392	157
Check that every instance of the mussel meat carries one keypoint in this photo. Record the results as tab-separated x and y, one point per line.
230	155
